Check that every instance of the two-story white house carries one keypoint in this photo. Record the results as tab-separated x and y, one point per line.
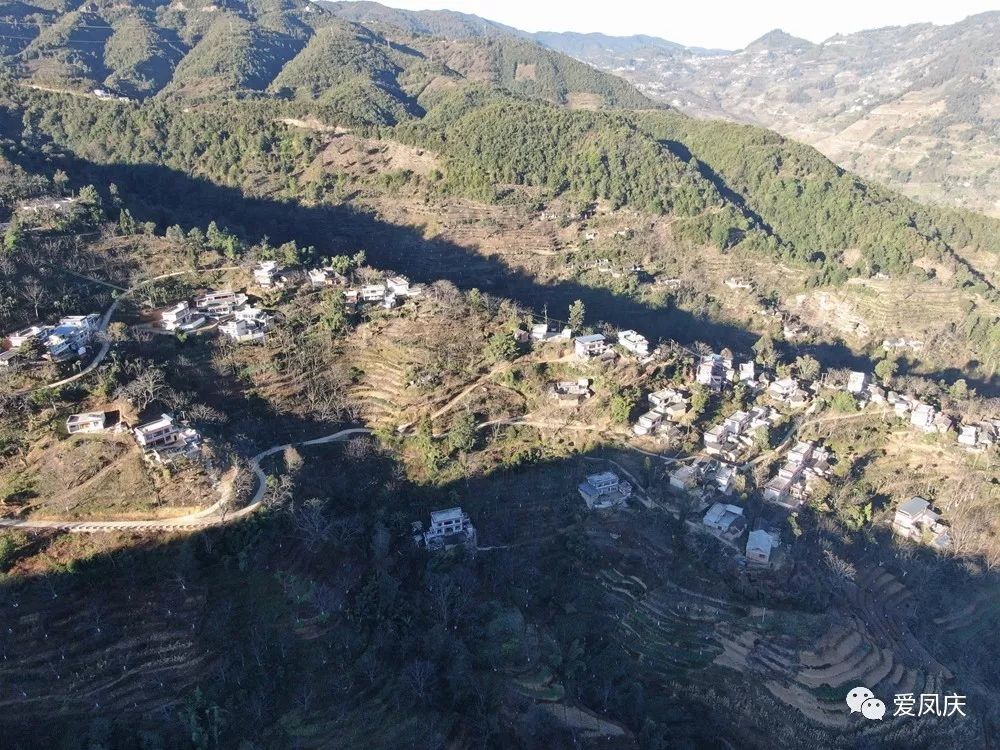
449	528
181	317
590	347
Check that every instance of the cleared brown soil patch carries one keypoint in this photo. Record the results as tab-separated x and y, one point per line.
368	157
581	100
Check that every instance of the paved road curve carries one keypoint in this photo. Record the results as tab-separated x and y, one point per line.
214	515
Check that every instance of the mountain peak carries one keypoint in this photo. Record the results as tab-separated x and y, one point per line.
776	39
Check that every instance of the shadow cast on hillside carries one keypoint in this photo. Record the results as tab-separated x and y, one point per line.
232	604
167	196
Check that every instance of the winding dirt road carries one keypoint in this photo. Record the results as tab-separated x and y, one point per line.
214	515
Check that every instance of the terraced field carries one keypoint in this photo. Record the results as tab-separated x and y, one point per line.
806	661
116	651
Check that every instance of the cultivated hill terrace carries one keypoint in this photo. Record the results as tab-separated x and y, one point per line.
365	387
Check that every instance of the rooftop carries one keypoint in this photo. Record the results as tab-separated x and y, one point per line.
449	514
164	420
605	477
760	540
914	506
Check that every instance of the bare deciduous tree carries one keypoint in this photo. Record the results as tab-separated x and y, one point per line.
34	292
419	674
311	524
146	386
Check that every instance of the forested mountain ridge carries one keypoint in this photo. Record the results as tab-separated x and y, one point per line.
499	109
912	106
293	49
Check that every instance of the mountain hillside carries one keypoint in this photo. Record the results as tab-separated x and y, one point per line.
292	49
917	107
322	267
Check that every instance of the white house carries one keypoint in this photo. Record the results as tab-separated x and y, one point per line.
634	342
373	293
760	544
221	302
539	332
727	439
943	423
547	332
181	317
685	478
804	464
571	392
675	411
163	439
588	347
266	273
18	338
783	389
399	285
241	331
969	436
711	371
723	477
915	518
162	431
248	324
725	520
604	490
94	421
666	396
923	417
71	336
978	436
857	382
648	423
450	528
319	276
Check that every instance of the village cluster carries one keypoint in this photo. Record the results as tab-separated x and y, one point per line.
709	480
165	439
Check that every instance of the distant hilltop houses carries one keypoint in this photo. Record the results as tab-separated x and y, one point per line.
236	319
65	341
109	96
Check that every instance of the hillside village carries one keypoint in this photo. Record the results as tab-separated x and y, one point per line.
460	397
724	444
703	485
